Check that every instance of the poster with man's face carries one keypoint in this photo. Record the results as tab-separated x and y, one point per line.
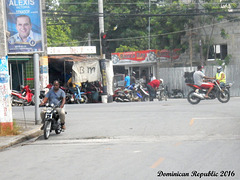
24	25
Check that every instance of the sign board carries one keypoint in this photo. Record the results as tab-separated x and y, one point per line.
88	70
71	50
144	56
24	22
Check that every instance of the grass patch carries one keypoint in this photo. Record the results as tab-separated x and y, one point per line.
8	131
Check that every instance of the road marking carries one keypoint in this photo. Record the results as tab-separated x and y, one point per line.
179	143
192	121
159	161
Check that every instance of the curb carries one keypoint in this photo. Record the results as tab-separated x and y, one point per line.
22	137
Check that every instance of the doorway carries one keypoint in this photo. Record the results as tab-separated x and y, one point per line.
16	72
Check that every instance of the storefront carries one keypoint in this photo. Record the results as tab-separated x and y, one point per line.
20	71
144	63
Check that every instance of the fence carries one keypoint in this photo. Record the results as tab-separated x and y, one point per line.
174	77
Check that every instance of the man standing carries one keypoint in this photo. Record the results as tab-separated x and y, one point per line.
57	97
126	80
198	77
152	87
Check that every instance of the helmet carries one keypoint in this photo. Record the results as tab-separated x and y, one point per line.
161	80
133	73
219	69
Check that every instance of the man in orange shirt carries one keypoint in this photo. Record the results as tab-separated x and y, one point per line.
152	87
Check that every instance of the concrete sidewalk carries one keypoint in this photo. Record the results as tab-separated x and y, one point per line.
28	130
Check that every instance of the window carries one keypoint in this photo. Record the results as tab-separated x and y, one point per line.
217	52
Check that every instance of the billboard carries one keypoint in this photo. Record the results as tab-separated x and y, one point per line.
25	26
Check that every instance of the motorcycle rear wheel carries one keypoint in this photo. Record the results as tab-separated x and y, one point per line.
193	99
224	96
47	129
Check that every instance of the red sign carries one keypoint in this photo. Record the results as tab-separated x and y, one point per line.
144	56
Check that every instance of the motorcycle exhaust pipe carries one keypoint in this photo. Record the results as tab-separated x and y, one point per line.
198	95
17	101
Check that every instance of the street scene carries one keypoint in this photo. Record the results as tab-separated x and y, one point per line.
119	90
138	140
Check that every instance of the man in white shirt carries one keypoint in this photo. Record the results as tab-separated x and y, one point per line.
198	77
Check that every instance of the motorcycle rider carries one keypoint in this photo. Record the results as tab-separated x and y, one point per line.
56	96
133	79
201	80
152	87
220	75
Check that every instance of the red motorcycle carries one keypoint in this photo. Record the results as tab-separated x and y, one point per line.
198	93
23	97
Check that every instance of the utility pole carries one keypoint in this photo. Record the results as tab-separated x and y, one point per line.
103	56
89	39
6	121
149	25
36	86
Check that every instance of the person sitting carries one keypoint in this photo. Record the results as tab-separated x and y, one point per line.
57	97
200	80
220	75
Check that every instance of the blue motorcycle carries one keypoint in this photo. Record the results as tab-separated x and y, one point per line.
79	97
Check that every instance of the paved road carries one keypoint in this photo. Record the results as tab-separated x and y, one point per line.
134	141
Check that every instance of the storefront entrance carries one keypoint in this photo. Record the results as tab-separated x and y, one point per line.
16	73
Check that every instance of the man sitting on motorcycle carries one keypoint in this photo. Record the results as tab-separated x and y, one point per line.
220	75
200	80
56	96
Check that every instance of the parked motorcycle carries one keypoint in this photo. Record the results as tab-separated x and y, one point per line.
162	93
23	97
198	93
51	121
79	97
175	93
139	93
93	91
122	95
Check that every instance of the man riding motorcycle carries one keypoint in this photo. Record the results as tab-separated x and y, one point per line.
56	96
199	77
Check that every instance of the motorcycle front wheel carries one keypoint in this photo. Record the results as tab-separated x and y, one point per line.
223	96
193	99
58	130
146	98
47	129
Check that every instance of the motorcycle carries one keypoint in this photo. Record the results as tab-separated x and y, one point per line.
23	97
51	121
122	95
79	97
139	93
93	91
162	93
176	93
198	93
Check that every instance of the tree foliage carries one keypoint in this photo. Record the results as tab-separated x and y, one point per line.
169	22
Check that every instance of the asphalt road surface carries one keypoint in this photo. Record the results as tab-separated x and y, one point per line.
133	141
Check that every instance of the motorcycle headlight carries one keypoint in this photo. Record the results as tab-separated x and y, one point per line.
49	110
230	84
